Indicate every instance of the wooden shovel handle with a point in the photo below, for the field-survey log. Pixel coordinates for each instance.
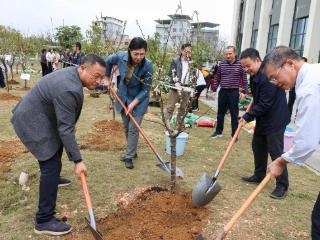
(223, 232)
(134, 121)
(85, 190)
(233, 140)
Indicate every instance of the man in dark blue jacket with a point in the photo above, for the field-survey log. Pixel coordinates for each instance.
(271, 112)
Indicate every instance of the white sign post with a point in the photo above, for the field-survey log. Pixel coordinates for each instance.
(25, 77)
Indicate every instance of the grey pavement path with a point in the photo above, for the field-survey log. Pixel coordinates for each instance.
(313, 163)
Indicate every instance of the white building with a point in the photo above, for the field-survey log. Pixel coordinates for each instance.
(264, 24)
(112, 27)
(183, 30)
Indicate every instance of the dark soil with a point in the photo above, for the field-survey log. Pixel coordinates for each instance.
(154, 214)
(13, 82)
(7, 96)
(108, 135)
(9, 150)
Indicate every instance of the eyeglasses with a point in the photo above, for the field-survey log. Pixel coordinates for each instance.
(274, 80)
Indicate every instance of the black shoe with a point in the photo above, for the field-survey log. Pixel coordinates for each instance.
(54, 227)
(124, 158)
(63, 182)
(128, 163)
(279, 193)
(253, 179)
(215, 135)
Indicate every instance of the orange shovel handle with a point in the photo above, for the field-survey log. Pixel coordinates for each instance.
(223, 232)
(233, 140)
(85, 190)
(134, 121)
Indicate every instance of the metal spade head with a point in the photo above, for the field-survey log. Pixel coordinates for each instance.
(205, 190)
(167, 168)
(96, 234)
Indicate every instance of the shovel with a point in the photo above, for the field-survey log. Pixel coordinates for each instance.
(208, 187)
(92, 223)
(166, 166)
(222, 233)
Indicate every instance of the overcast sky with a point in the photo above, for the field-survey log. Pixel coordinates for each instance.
(41, 16)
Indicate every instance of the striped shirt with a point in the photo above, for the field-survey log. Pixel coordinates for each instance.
(231, 75)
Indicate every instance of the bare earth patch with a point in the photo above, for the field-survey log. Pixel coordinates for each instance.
(7, 96)
(108, 135)
(9, 150)
(155, 213)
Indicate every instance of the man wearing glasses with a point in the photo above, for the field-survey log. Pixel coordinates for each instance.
(272, 116)
(45, 122)
(287, 69)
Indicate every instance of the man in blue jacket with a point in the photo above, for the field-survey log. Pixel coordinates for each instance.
(134, 83)
(271, 112)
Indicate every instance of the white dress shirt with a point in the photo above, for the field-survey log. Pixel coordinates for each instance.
(185, 72)
(307, 137)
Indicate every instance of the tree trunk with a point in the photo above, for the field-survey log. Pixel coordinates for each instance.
(11, 66)
(173, 141)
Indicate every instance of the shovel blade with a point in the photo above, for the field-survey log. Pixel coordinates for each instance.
(167, 168)
(205, 190)
(97, 235)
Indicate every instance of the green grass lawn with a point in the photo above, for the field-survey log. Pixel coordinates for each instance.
(107, 177)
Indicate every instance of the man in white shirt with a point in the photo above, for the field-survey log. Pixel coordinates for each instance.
(286, 69)
(180, 77)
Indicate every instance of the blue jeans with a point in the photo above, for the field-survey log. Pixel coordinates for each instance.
(48, 189)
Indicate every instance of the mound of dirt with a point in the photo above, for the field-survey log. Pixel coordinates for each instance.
(7, 96)
(108, 135)
(9, 150)
(154, 214)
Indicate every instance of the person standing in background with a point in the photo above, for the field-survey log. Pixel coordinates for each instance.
(230, 77)
(77, 54)
(44, 62)
(49, 57)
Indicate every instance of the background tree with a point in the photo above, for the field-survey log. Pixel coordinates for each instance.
(68, 35)
(95, 41)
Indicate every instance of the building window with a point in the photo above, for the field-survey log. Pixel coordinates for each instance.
(298, 34)
(254, 38)
(272, 37)
(174, 30)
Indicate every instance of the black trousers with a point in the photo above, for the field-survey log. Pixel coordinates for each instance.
(315, 229)
(228, 99)
(199, 89)
(292, 98)
(44, 69)
(48, 189)
(272, 144)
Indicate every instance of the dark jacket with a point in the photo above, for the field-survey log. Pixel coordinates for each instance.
(76, 58)
(175, 70)
(45, 118)
(2, 83)
(270, 107)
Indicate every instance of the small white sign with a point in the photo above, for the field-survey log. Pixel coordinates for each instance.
(25, 76)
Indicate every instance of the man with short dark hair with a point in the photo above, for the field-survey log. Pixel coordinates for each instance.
(286, 69)
(233, 82)
(77, 54)
(180, 76)
(272, 116)
(45, 122)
